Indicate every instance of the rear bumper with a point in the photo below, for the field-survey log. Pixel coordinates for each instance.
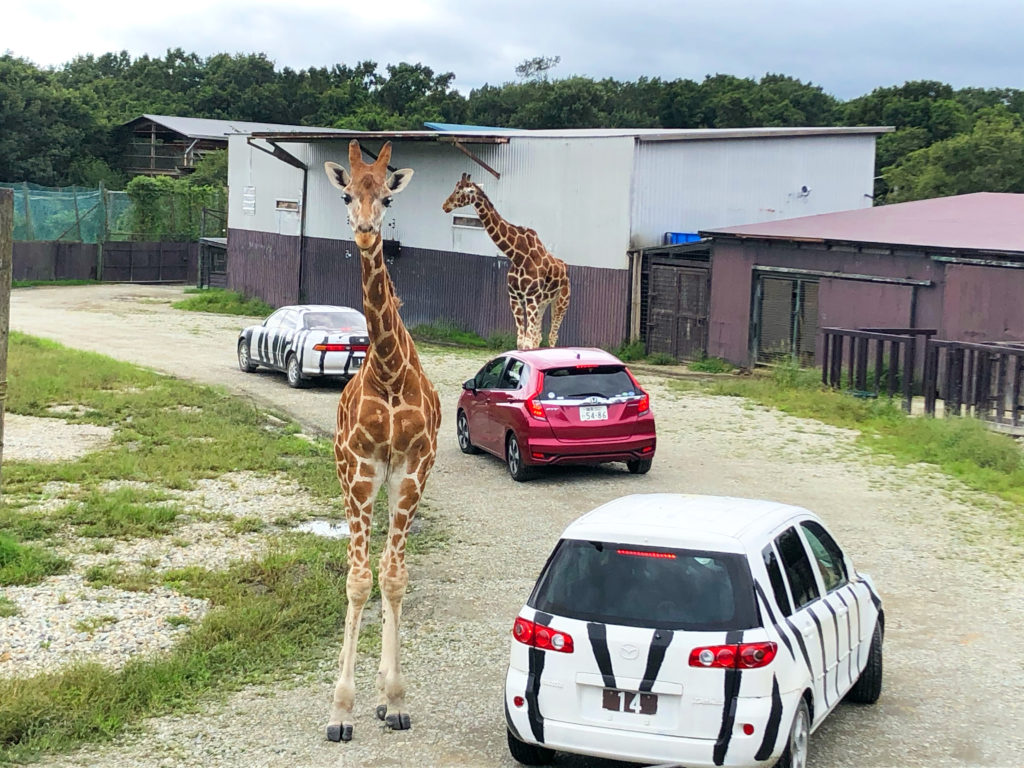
(540, 451)
(650, 747)
(341, 364)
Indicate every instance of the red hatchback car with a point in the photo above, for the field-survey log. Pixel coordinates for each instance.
(562, 405)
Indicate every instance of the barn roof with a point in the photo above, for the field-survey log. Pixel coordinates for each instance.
(983, 221)
(204, 128)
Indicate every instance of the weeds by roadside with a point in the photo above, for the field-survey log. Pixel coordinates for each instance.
(222, 302)
(446, 332)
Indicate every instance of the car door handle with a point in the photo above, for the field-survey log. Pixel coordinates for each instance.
(807, 631)
(842, 611)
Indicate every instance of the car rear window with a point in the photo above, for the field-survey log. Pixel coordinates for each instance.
(647, 587)
(575, 383)
(334, 321)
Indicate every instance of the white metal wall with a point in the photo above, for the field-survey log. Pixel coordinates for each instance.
(574, 192)
(686, 186)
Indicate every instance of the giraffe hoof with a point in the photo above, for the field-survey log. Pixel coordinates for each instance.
(339, 733)
(399, 722)
(382, 710)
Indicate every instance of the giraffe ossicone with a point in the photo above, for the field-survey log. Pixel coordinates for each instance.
(388, 417)
(536, 278)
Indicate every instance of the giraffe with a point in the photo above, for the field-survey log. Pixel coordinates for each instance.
(388, 417)
(535, 278)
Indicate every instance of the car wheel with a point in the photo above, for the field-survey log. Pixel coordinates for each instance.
(529, 754)
(295, 377)
(868, 687)
(639, 466)
(245, 362)
(462, 430)
(795, 755)
(514, 460)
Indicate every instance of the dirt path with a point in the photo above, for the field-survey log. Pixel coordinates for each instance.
(954, 595)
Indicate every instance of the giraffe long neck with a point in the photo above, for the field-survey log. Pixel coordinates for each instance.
(493, 222)
(391, 348)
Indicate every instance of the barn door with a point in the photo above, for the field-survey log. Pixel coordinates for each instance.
(678, 311)
(786, 319)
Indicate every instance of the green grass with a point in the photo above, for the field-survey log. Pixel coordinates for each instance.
(661, 358)
(121, 513)
(25, 564)
(270, 617)
(711, 365)
(7, 608)
(630, 351)
(446, 332)
(114, 574)
(963, 448)
(36, 283)
(222, 302)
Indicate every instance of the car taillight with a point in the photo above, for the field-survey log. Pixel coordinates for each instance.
(341, 347)
(646, 553)
(741, 656)
(644, 404)
(539, 636)
(533, 407)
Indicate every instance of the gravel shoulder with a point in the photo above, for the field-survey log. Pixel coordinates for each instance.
(953, 590)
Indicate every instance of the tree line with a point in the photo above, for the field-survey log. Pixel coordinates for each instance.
(58, 126)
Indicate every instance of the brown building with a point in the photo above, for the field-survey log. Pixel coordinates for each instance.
(953, 264)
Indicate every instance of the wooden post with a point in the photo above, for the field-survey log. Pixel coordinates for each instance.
(6, 255)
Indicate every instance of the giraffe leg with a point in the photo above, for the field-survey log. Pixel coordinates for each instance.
(358, 508)
(558, 310)
(534, 317)
(519, 313)
(404, 491)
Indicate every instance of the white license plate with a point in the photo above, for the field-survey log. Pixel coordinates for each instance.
(593, 412)
(355, 362)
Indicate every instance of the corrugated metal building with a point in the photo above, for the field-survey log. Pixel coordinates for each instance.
(952, 264)
(594, 196)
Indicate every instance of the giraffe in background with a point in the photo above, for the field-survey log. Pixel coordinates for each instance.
(536, 278)
(388, 417)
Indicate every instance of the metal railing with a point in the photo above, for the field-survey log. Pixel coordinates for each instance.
(872, 361)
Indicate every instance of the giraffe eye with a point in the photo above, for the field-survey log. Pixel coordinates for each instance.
(347, 198)
(386, 202)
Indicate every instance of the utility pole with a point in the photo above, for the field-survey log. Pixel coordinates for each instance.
(6, 256)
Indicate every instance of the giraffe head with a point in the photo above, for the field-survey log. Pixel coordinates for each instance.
(367, 190)
(465, 193)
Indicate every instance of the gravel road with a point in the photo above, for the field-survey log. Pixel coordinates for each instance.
(953, 590)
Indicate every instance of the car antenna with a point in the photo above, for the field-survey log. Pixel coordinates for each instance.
(577, 355)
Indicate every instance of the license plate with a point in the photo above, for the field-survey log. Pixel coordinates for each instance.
(355, 362)
(627, 701)
(593, 412)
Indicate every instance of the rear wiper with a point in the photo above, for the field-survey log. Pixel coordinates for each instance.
(587, 394)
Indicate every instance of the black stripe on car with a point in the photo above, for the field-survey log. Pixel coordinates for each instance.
(771, 731)
(732, 690)
(655, 657)
(536, 669)
(835, 624)
(598, 635)
(803, 646)
(849, 632)
(771, 618)
(824, 664)
(874, 597)
(323, 354)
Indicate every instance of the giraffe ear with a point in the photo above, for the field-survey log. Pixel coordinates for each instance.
(339, 176)
(399, 179)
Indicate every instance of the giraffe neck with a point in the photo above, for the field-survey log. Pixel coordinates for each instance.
(391, 348)
(492, 222)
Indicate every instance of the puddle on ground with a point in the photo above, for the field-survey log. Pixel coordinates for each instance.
(332, 529)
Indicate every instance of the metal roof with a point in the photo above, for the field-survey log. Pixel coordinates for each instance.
(983, 221)
(204, 128)
(502, 135)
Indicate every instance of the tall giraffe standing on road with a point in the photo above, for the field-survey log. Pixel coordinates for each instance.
(388, 418)
(535, 278)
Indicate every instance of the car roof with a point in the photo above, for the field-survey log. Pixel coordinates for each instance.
(554, 357)
(319, 308)
(690, 521)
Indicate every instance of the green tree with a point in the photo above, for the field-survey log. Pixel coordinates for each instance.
(211, 171)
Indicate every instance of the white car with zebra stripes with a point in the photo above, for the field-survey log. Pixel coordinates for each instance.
(306, 341)
(691, 630)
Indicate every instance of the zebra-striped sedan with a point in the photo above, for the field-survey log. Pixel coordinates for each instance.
(691, 630)
(306, 341)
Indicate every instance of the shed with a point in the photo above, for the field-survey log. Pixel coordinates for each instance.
(596, 197)
(951, 264)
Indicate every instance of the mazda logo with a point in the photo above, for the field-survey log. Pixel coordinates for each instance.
(629, 652)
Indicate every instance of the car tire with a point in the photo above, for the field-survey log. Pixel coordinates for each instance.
(868, 687)
(639, 466)
(462, 432)
(245, 362)
(514, 460)
(294, 373)
(529, 754)
(795, 754)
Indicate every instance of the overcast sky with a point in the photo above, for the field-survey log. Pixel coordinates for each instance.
(846, 46)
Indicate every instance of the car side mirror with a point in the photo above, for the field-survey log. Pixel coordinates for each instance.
(469, 384)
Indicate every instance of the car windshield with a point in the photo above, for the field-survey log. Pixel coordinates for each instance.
(339, 320)
(644, 586)
(587, 381)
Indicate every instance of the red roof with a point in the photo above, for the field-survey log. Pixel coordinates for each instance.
(983, 221)
(556, 357)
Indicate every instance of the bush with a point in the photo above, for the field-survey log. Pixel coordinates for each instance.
(630, 351)
(712, 365)
(661, 358)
